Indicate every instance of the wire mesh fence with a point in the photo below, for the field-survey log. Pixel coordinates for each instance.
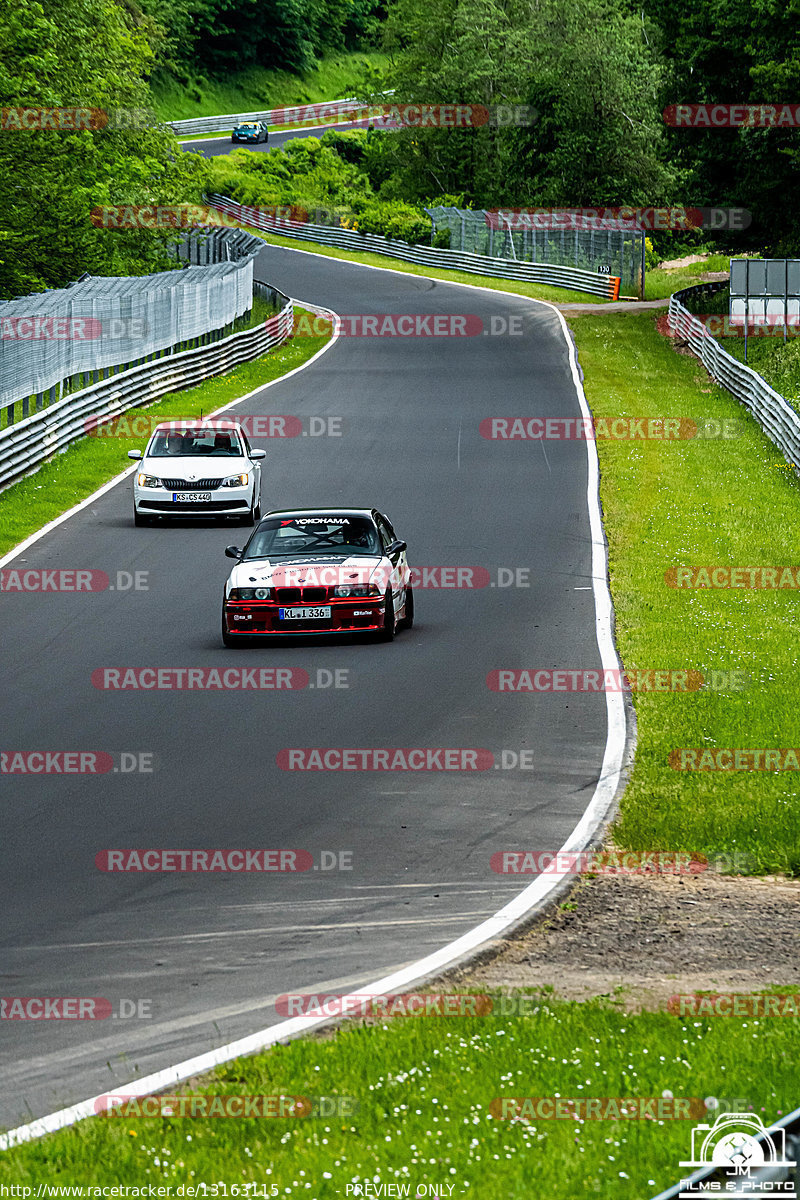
(602, 245)
(55, 341)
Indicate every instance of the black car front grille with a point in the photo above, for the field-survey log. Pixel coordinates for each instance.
(192, 485)
(301, 595)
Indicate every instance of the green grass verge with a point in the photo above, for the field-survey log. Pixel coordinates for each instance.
(89, 463)
(659, 285)
(535, 290)
(423, 1086)
(258, 88)
(701, 502)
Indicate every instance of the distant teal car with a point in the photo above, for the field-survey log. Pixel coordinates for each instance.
(251, 131)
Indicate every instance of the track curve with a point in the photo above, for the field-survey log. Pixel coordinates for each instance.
(212, 951)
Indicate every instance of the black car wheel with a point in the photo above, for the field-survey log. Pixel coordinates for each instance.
(408, 620)
(390, 626)
(229, 639)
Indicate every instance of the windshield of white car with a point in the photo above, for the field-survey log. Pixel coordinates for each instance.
(197, 443)
(314, 537)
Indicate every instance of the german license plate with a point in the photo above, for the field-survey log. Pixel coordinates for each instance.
(192, 497)
(304, 614)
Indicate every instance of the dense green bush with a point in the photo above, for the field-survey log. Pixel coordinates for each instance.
(312, 175)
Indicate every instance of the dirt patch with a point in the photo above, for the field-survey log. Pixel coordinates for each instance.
(643, 939)
(673, 264)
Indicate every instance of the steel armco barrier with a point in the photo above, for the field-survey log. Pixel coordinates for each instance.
(776, 417)
(27, 444)
(478, 264)
(327, 110)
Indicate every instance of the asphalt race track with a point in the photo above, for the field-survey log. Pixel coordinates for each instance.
(213, 147)
(210, 952)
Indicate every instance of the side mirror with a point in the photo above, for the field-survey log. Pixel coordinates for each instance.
(397, 548)
(134, 454)
(233, 552)
(255, 455)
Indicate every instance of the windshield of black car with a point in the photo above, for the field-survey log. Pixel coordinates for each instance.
(194, 443)
(247, 127)
(308, 537)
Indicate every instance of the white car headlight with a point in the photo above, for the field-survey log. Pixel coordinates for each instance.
(149, 481)
(236, 480)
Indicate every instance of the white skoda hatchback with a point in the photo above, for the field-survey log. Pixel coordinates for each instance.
(198, 469)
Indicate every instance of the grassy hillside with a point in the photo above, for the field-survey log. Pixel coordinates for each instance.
(177, 97)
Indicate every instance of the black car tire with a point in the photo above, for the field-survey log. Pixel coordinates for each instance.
(390, 627)
(227, 638)
(139, 520)
(408, 620)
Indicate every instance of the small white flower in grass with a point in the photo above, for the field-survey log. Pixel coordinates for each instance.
(327, 1175)
(622, 1175)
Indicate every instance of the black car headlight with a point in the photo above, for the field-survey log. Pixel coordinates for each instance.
(259, 593)
(345, 590)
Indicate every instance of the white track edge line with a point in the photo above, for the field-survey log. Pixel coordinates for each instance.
(101, 491)
(512, 914)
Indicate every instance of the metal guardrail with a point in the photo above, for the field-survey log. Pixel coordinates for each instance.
(327, 110)
(57, 341)
(451, 260)
(27, 444)
(776, 417)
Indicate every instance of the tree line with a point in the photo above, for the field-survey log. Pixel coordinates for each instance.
(598, 74)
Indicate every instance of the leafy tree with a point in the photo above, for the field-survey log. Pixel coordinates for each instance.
(586, 69)
(80, 53)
